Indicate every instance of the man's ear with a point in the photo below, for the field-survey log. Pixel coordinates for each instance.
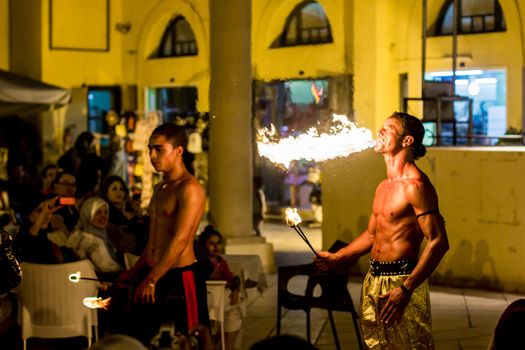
(408, 140)
(179, 150)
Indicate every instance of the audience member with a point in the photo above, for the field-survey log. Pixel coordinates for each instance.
(511, 324)
(48, 175)
(234, 308)
(117, 158)
(118, 342)
(259, 204)
(90, 240)
(70, 160)
(125, 213)
(83, 161)
(122, 209)
(66, 218)
(21, 188)
(282, 342)
(31, 243)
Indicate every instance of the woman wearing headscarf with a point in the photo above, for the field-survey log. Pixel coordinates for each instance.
(90, 240)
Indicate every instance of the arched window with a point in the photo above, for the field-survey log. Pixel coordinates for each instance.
(177, 40)
(474, 16)
(306, 25)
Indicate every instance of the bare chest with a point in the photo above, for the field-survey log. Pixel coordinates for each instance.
(164, 202)
(390, 202)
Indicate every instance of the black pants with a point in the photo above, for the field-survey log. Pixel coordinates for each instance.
(180, 298)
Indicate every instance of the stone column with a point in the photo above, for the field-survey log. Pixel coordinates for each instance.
(230, 157)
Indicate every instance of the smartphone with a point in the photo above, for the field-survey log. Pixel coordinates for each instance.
(66, 201)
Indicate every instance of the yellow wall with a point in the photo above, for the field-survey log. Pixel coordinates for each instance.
(374, 41)
(269, 18)
(151, 20)
(480, 193)
(73, 68)
(4, 34)
(25, 39)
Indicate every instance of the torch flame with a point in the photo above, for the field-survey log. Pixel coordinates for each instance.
(97, 302)
(292, 217)
(75, 277)
(344, 138)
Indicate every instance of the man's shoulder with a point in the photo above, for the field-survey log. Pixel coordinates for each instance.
(189, 186)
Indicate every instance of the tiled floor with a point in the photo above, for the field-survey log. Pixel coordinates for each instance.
(462, 318)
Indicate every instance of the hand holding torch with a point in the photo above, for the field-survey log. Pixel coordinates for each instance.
(293, 220)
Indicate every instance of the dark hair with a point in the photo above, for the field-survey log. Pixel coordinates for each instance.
(83, 143)
(59, 176)
(175, 134)
(108, 181)
(283, 342)
(414, 127)
(47, 167)
(510, 326)
(208, 232)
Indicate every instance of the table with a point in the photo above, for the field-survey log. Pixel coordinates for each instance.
(252, 268)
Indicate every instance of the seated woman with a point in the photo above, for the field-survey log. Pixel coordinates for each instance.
(125, 214)
(234, 308)
(31, 243)
(90, 240)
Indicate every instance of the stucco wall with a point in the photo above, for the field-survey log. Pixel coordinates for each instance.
(480, 193)
(81, 65)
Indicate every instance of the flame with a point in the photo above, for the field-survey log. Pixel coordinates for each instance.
(75, 277)
(292, 217)
(316, 93)
(97, 302)
(344, 138)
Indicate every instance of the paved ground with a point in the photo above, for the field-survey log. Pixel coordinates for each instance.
(462, 318)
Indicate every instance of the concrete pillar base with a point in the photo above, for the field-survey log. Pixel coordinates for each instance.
(253, 246)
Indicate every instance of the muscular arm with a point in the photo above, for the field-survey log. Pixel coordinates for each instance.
(358, 247)
(423, 198)
(191, 207)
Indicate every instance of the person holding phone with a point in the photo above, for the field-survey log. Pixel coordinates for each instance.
(66, 217)
(31, 243)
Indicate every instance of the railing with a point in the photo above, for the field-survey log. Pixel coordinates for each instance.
(438, 103)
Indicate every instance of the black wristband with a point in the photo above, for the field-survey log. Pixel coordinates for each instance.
(405, 290)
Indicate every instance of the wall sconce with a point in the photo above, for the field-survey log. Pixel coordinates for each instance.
(123, 27)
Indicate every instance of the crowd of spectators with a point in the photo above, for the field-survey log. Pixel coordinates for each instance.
(80, 209)
(76, 210)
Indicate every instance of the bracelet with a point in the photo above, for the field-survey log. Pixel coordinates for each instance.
(405, 290)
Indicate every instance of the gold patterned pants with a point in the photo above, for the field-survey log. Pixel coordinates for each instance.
(414, 331)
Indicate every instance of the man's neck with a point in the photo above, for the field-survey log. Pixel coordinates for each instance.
(177, 173)
(398, 166)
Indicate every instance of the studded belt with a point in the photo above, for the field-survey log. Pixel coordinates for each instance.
(391, 268)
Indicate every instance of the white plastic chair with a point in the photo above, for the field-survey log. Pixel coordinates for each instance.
(216, 290)
(51, 306)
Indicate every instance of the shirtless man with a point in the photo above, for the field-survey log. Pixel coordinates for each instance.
(395, 303)
(168, 287)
